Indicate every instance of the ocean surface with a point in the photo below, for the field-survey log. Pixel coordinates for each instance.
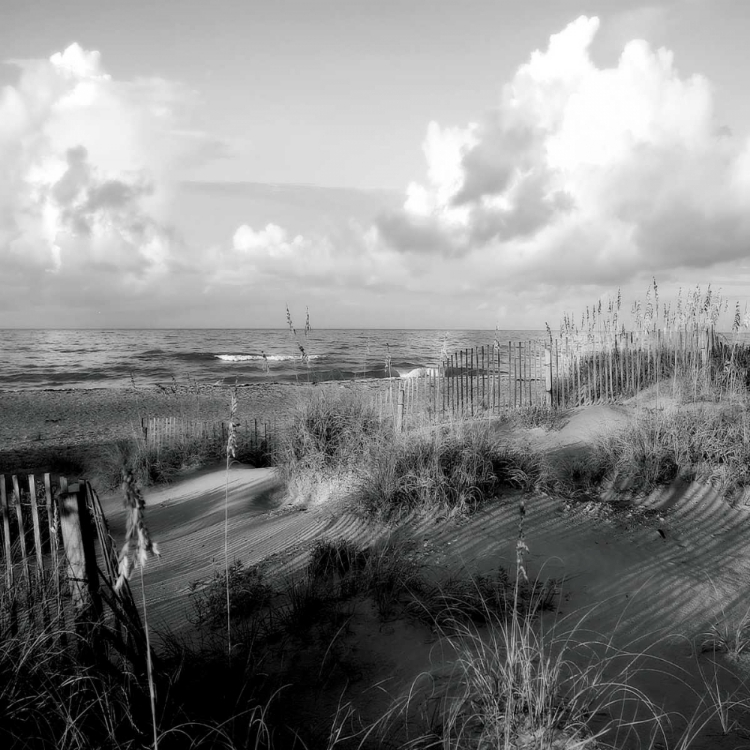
(66, 359)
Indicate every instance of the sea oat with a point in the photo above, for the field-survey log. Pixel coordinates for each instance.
(232, 439)
(303, 354)
(292, 329)
(136, 533)
(521, 546)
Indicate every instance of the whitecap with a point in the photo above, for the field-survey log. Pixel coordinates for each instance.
(260, 357)
(419, 372)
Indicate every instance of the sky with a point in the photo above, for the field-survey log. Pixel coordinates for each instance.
(412, 164)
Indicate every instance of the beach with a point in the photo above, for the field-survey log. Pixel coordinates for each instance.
(39, 425)
(657, 570)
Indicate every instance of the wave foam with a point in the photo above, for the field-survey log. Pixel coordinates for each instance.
(260, 357)
(419, 372)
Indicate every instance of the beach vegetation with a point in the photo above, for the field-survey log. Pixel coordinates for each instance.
(443, 471)
(155, 464)
(728, 635)
(272, 662)
(508, 670)
(709, 443)
(321, 450)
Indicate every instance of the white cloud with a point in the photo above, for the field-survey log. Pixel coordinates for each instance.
(352, 259)
(271, 240)
(583, 174)
(86, 167)
(578, 178)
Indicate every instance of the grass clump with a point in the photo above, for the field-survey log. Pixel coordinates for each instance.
(482, 599)
(326, 440)
(729, 636)
(329, 432)
(445, 471)
(151, 464)
(711, 443)
(52, 698)
(248, 594)
(517, 687)
(536, 415)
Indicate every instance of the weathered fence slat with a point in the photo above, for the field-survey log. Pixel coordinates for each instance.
(6, 533)
(37, 529)
(21, 531)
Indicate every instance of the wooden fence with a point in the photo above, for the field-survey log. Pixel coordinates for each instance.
(607, 369)
(59, 565)
(473, 382)
(559, 373)
(254, 437)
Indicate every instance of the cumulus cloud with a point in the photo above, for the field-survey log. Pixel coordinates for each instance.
(350, 258)
(583, 174)
(86, 165)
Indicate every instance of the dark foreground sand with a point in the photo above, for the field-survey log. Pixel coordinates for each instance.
(36, 426)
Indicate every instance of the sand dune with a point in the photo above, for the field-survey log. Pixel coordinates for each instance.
(652, 573)
(668, 559)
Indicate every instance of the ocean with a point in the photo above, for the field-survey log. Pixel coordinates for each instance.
(75, 359)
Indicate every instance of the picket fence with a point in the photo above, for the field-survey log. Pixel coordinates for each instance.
(555, 373)
(59, 566)
(490, 380)
(253, 435)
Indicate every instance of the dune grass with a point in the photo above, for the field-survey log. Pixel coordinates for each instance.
(710, 443)
(321, 450)
(444, 471)
(51, 698)
(339, 444)
(161, 464)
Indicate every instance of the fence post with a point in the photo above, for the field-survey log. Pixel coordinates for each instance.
(80, 553)
(547, 377)
(6, 534)
(400, 410)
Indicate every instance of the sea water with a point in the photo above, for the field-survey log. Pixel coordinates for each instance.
(43, 359)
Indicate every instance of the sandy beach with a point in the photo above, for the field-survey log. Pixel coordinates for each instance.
(649, 573)
(38, 424)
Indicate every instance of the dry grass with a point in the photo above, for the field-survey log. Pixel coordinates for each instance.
(445, 471)
(321, 451)
(710, 443)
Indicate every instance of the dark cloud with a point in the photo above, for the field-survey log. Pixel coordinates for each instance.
(504, 150)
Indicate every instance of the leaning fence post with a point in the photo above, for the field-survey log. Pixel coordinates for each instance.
(80, 553)
(6, 534)
(547, 376)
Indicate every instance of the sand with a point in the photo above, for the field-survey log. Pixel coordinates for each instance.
(37, 424)
(650, 573)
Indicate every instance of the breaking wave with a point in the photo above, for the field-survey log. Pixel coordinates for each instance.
(260, 357)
